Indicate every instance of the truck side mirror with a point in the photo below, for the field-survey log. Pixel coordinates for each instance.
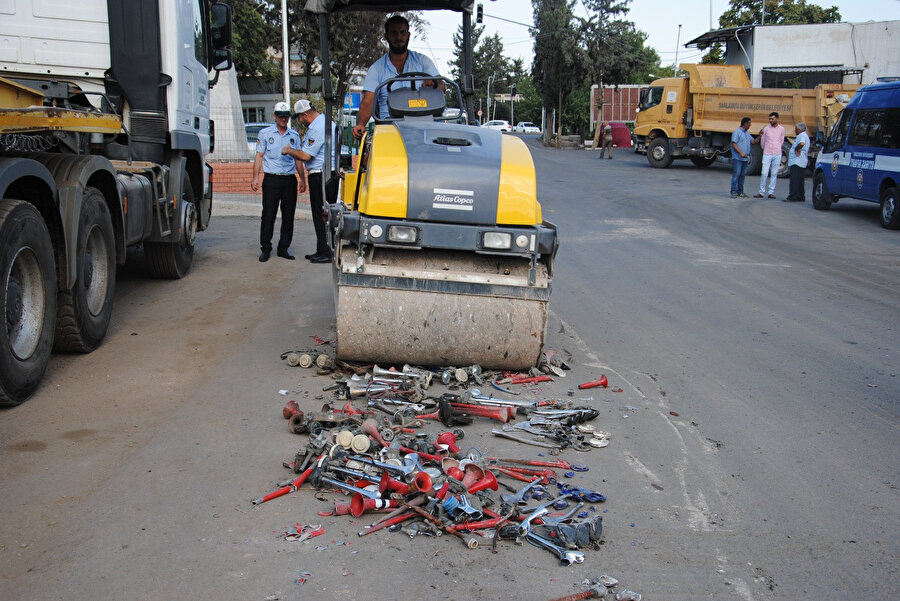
(220, 27)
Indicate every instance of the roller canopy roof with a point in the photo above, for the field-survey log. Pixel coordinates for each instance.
(328, 6)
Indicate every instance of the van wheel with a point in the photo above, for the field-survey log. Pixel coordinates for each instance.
(28, 294)
(754, 166)
(85, 310)
(658, 153)
(821, 199)
(890, 212)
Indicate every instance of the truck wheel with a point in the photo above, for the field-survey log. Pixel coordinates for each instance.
(658, 153)
(754, 166)
(28, 292)
(703, 161)
(172, 260)
(84, 311)
(821, 199)
(890, 212)
(783, 169)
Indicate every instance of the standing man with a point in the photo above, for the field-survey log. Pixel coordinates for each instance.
(772, 138)
(279, 185)
(740, 157)
(397, 61)
(797, 161)
(311, 158)
(607, 139)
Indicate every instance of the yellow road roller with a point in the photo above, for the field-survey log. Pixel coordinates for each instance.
(441, 255)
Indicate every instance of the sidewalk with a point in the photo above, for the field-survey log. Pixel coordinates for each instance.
(227, 204)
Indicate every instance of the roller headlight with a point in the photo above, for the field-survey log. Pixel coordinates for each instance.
(522, 241)
(403, 234)
(375, 231)
(497, 240)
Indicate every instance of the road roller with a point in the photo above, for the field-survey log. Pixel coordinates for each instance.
(441, 255)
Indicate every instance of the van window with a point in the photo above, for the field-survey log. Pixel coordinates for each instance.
(866, 130)
(839, 132)
(890, 135)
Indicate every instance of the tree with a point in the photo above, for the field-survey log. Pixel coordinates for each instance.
(615, 47)
(778, 12)
(252, 35)
(560, 61)
(488, 62)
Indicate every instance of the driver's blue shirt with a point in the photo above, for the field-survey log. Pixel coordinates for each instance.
(383, 70)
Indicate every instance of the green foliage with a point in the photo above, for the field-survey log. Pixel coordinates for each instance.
(560, 60)
(616, 48)
(778, 12)
(252, 36)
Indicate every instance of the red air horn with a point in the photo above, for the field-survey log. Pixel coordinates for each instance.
(360, 504)
(489, 481)
(421, 483)
(370, 427)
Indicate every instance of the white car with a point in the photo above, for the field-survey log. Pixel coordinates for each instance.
(497, 124)
(526, 127)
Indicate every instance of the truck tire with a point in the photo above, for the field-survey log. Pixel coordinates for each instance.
(890, 211)
(28, 293)
(703, 161)
(172, 260)
(754, 166)
(658, 153)
(84, 312)
(821, 198)
(783, 169)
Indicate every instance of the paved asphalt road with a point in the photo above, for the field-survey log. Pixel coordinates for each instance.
(754, 449)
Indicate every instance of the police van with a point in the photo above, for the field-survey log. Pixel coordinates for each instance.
(861, 157)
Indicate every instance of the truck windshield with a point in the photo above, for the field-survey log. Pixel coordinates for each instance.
(650, 97)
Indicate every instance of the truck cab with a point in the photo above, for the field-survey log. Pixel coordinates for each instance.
(662, 109)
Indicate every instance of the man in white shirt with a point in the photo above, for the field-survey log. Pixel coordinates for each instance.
(798, 158)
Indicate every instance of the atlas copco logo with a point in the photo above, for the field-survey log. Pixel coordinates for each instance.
(455, 200)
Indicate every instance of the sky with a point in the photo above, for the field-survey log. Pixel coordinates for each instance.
(660, 19)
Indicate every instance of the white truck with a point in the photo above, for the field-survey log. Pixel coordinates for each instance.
(104, 131)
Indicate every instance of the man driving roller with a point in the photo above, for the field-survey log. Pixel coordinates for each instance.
(397, 61)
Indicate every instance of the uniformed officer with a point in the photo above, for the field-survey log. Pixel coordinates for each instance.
(311, 158)
(279, 185)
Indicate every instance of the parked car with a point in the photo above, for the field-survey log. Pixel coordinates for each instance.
(500, 125)
(526, 127)
(253, 130)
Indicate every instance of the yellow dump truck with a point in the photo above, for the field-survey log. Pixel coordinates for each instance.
(693, 117)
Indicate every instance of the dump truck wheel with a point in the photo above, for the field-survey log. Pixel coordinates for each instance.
(172, 260)
(703, 161)
(784, 169)
(754, 167)
(821, 199)
(890, 212)
(84, 311)
(28, 292)
(658, 154)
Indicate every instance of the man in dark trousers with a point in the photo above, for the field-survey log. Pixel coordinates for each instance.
(311, 158)
(279, 185)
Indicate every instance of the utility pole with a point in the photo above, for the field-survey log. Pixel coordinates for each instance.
(512, 93)
(286, 58)
(490, 79)
(677, 43)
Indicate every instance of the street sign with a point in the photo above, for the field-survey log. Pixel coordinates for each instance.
(479, 112)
